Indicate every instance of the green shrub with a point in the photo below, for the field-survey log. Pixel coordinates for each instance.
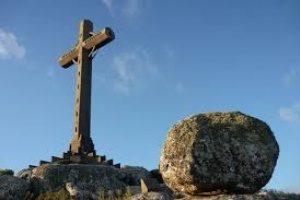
(59, 195)
(6, 172)
(126, 196)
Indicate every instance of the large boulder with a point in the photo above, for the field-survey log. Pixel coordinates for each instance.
(219, 152)
(87, 179)
(13, 188)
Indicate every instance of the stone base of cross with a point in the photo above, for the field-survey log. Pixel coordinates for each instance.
(67, 158)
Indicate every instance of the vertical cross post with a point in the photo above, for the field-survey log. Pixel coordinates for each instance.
(82, 142)
(82, 54)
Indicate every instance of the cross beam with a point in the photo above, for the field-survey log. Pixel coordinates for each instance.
(93, 43)
(82, 55)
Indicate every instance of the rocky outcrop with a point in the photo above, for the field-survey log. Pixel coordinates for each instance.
(256, 196)
(216, 153)
(25, 174)
(133, 174)
(82, 180)
(78, 194)
(12, 188)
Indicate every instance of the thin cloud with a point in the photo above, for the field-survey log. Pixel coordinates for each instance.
(100, 78)
(131, 8)
(127, 8)
(9, 46)
(179, 88)
(169, 52)
(132, 70)
(50, 72)
(291, 113)
(291, 76)
(109, 5)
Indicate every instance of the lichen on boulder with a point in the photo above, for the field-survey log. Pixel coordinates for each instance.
(219, 152)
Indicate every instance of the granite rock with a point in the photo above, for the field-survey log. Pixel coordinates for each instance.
(80, 179)
(13, 188)
(221, 152)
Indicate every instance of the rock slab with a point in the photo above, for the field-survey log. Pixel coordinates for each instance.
(12, 188)
(83, 181)
(221, 152)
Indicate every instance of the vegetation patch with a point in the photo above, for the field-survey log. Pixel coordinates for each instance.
(58, 195)
(6, 172)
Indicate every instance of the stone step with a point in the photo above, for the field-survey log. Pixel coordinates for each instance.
(101, 158)
(55, 159)
(118, 165)
(42, 162)
(66, 156)
(84, 159)
(109, 162)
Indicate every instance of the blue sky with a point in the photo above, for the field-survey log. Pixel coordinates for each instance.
(170, 59)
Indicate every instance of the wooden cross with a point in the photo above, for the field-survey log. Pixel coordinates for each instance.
(82, 54)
